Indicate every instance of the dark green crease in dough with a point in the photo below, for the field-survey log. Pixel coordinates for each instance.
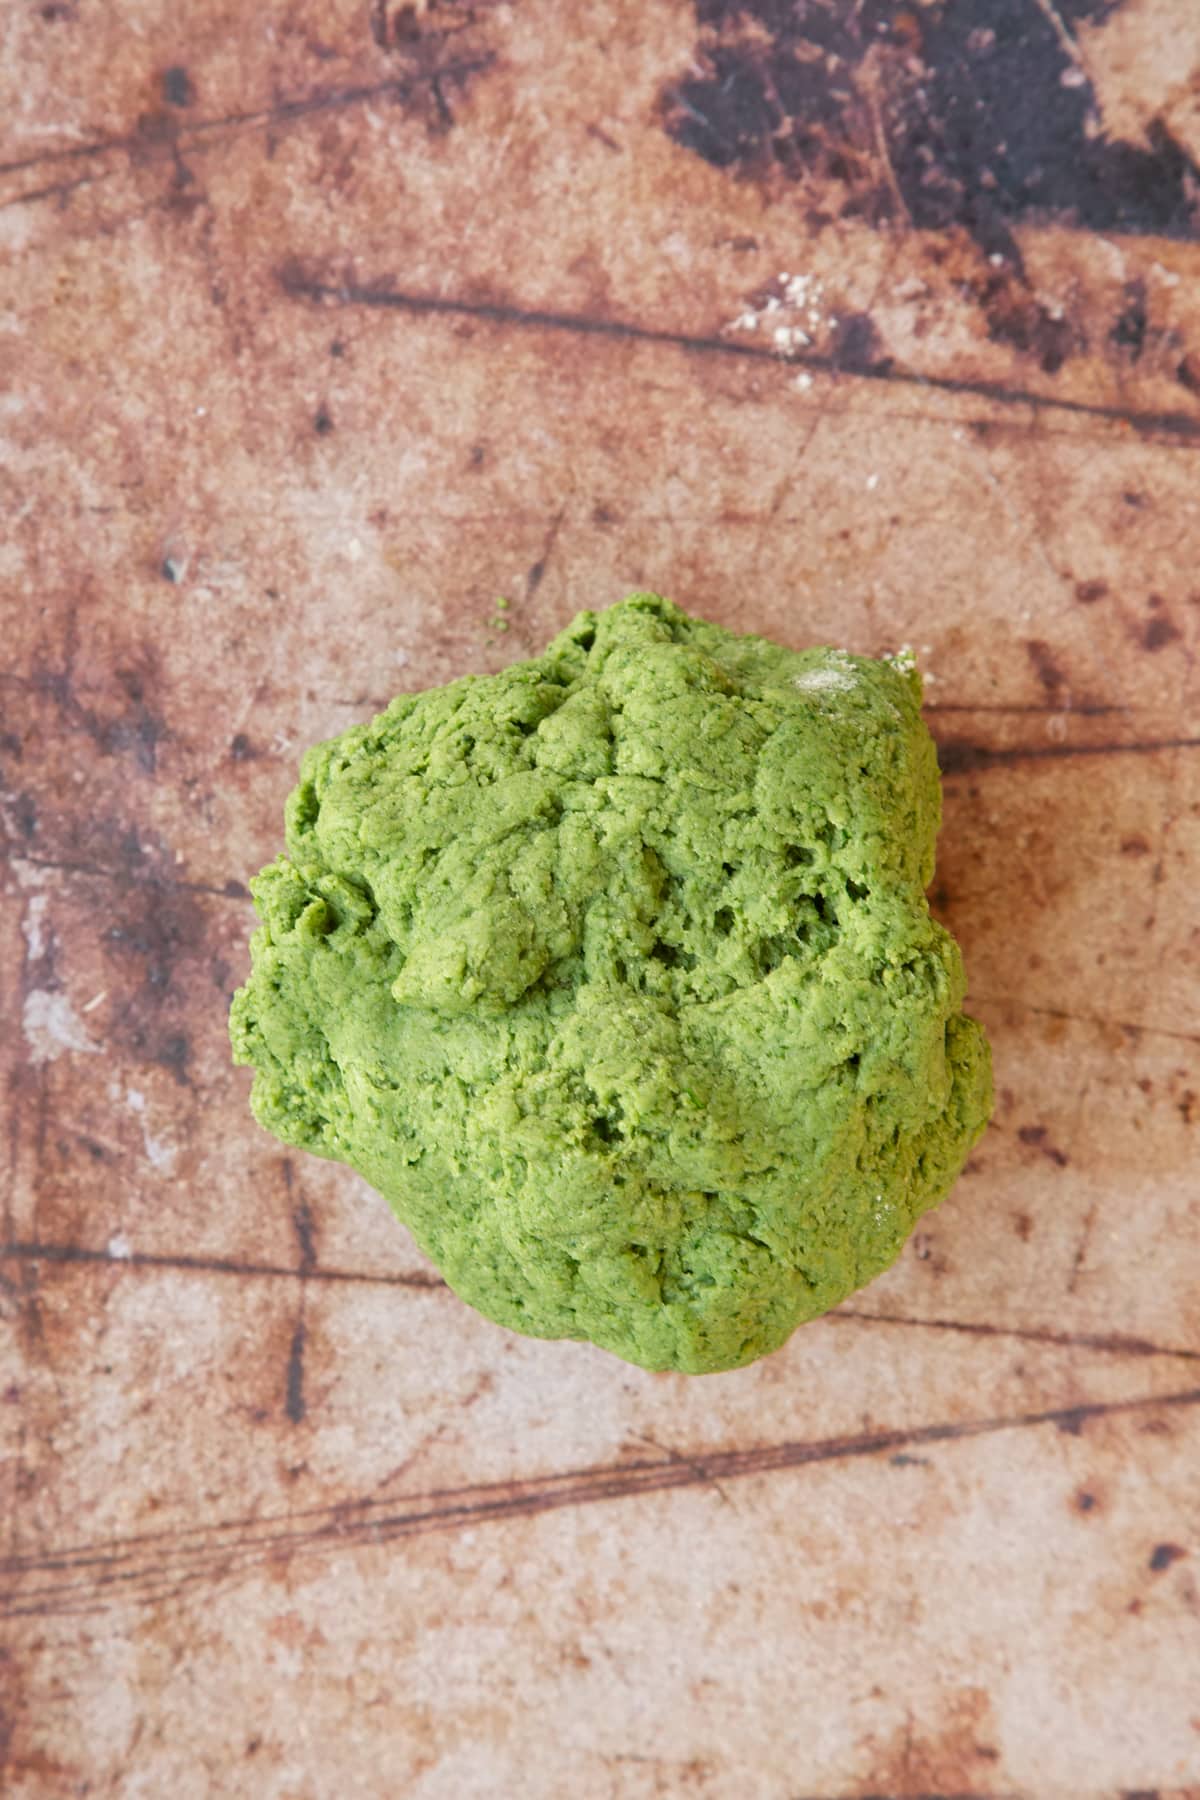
(614, 973)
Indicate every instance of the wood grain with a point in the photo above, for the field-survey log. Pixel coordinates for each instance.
(322, 327)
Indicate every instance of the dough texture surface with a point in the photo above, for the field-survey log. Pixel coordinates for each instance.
(613, 972)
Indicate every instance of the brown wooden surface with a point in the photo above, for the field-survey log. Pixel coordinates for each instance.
(320, 326)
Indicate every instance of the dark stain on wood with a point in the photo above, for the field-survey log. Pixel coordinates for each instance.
(967, 116)
(1038, 1138)
(1045, 665)
(1129, 331)
(1088, 592)
(1158, 632)
(177, 87)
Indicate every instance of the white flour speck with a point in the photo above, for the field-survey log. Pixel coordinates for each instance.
(792, 315)
(35, 912)
(51, 1026)
(160, 1152)
(119, 1247)
(790, 337)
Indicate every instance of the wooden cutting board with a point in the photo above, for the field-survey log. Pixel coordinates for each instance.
(322, 326)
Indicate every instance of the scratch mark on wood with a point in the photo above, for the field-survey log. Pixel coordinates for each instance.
(210, 1265)
(693, 1462)
(537, 572)
(302, 1221)
(1081, 1249)
(298, 284)
(55, 190)
(1043, 710)
(93, 1577)
(304, 1226)
(232, 890)
(957, 758)
(1130, 1027)
(233, 124)
(1113, 1343)
(294, 1403)
(925, 1794)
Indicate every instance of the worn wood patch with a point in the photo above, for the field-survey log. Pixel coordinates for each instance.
(322, 327)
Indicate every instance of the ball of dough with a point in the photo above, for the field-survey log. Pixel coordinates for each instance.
(614, 973)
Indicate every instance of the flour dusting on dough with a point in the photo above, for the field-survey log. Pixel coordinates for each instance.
(903, 660)
(835, 676)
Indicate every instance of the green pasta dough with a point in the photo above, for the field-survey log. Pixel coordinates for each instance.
(614, 973)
